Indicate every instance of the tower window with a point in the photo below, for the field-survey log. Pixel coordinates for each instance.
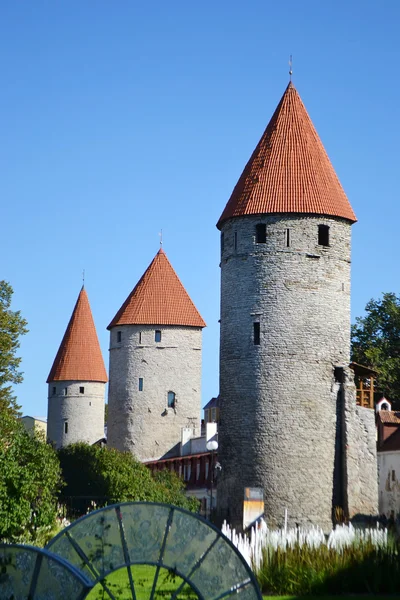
(222, 242)
(256, 329)
(81, 390)
(171, 399)
(65, 426)
(140, 384)
(119, 337)
(261, 233)
(287, 238)
(323, 235)
(235, 240)
(157, 335)
(140, 337)
(65, 391)
(54, 391)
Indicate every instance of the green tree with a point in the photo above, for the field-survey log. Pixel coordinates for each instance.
(106, 475)
(376, 343)
(12, 326)
(30, 480)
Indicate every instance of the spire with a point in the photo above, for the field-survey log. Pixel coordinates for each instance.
(159, 298)
(79, 356)
(289, 171)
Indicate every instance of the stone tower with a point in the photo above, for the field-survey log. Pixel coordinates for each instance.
(155, 365)
(285, 328)
(77, 382)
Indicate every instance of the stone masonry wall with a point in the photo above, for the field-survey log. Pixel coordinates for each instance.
(140, 421)
(278, 399)
(84, 413)
(361, 466)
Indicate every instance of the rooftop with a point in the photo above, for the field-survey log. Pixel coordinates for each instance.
(289, 171)
(159, 298)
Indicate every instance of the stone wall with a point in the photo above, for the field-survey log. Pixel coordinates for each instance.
(139, 421)
(360, 456)
(279, 398)
(83, 412)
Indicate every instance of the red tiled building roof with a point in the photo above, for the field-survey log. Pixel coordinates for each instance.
(289, 171)
(389, 416)
(159, 298)
(79, 356)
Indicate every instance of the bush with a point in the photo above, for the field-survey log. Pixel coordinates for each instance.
(29, 482)
(106, 476)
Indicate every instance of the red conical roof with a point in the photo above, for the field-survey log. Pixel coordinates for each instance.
(289, 171)
(158, 299)
(79, 356)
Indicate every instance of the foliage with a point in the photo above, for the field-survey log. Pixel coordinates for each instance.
(357, 569)
(376, 343)
(29, 482)
(105, 476)
(12, 326)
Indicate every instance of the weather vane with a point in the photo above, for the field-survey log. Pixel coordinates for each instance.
(83, 277)
(290, 67)
(160, 234)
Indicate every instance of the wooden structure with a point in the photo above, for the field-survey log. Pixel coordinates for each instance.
(364, 379)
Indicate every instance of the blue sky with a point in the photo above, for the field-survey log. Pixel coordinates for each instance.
(121, 118)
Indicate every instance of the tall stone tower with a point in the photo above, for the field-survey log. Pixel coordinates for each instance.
(155, 365)
(77, 382)
(285, 324)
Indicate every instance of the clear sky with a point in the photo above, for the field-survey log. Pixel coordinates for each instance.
(119, 118)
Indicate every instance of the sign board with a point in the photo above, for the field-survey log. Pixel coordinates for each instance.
(253, 505)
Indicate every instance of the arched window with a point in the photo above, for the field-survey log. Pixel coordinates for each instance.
(171, 399)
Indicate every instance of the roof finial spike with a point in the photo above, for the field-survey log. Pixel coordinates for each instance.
(160, 234)
(83, 278)
(290, 67)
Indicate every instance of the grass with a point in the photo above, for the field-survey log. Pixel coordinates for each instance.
(143, 576)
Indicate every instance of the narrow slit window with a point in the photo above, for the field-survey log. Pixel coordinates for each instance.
(54, 391)
(140, 337)
(235, 240)
(65, 391)
(393, 475)
(140, 384)
(157, 335)
(222, 242)
(287, 238)
(256, 331)
(261, 233)
(171, 399)
(323, 235)
(119, 337)
(66, 427)
(81, 390)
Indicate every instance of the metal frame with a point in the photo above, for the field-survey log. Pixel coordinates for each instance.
(249, 582)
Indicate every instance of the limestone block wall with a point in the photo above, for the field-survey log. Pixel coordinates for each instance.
(360, 455)
(142, 372)
(389, 483)
(278, 398)
(73, 415)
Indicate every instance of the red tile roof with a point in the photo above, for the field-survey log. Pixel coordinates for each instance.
(158, 299)
(289, 171)
(79, 356)
(389, 416)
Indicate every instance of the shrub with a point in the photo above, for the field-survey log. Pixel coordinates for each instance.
(107, 476)
(29, 482)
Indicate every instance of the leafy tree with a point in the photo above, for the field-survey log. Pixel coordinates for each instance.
(12, 326)
(106, 476)
(29, 481)
(376, 343)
